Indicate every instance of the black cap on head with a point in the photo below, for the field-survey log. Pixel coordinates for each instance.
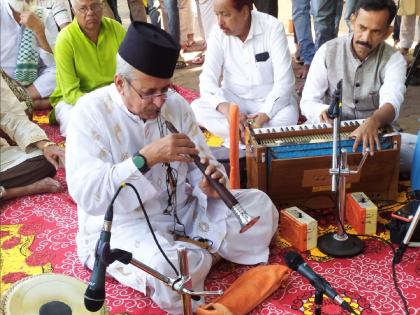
(150, 50)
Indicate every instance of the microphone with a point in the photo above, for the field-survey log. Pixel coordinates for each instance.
(95, 292)
(295, 261)
(335, 106)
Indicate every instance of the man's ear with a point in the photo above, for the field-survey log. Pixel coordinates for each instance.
(353, 18)
(119, 83)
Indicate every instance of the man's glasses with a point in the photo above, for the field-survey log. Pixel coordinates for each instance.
(151, 97)
(95, 8)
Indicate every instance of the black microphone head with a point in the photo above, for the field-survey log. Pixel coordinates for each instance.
(94, 299)
(293, 260)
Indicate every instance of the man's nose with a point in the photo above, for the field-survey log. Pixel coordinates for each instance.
(159, 101)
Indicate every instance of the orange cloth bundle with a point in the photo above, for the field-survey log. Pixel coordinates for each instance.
(248, 291)
(234, 178)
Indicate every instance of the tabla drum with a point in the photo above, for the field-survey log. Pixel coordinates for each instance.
(46, 294)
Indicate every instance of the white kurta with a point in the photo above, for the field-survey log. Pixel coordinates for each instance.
(257, 75)
(16, 124)
(101, 139)
(11, 35)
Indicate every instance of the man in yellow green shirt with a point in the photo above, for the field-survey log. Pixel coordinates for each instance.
(85, 57)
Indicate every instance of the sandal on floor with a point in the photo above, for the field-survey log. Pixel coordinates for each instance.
(198, 60)
(180, 64)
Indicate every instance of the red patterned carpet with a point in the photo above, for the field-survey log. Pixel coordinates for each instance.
(37, 235)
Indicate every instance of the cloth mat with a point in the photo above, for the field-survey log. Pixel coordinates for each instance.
(37, 235)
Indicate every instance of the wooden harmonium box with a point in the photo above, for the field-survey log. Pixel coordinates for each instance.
(291, 164)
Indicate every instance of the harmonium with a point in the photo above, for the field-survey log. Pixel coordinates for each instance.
(291, 164)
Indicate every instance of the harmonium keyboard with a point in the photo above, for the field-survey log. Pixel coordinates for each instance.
(291, 163)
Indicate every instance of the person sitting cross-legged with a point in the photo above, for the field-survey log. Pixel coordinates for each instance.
(248, 63)
(118, 134)
(28, 167)
(28, 33)
(85, 57)
(372, 74)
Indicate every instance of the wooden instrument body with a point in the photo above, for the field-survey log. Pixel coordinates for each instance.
(306, 180)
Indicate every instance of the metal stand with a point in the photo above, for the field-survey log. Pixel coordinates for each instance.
(181, 285)
(340, 244)
(319, 298)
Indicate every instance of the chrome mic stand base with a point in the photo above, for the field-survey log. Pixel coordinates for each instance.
(340, 246)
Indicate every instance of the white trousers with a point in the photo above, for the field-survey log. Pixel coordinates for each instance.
(408, 30)
(62, 114)
(206, 17)
(250, 247)
(186, 19)
(215, 122)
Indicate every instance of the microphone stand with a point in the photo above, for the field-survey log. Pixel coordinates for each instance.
(182, 285)
(319, 299)
(340, 244)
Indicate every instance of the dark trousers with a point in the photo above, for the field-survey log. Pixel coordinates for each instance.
(27, 172)
(267, 6)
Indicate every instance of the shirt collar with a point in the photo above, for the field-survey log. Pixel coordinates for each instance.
(255, 28)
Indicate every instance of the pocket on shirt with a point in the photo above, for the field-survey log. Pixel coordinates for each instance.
(374, 99)
(265, 71)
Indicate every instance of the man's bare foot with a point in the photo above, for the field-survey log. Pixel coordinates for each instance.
(45, 185)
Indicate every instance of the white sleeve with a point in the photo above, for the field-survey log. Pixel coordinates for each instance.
(210, 89)
(45, 82)
(393, 89)
(61, 12)
(283, 77)
(316, 85)
(51, 32)
(92, 175)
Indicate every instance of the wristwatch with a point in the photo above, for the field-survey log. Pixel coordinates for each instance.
(141, 163)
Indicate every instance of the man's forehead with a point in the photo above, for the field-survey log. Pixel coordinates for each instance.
(87, 2)
(373, 19)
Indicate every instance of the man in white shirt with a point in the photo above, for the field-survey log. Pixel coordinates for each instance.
(15, 19)
(117, 134)
(373, 75)
(60, 10)
(250, 54)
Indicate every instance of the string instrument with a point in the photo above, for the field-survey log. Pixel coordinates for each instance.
(291, 163)
(245, 220)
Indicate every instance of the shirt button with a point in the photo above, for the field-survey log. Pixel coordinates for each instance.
(357, 84)
(356, 101)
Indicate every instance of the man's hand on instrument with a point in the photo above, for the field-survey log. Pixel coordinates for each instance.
(173, 147)
(367, 133)
(259, 119)
(224, 108)
(324, 118)
(205, 185)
